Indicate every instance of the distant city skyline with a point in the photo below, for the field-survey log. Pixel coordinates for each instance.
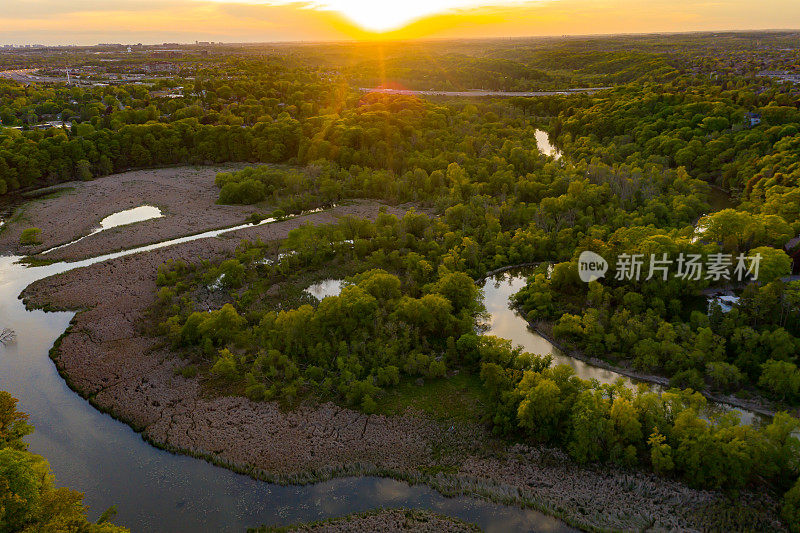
(89, 22)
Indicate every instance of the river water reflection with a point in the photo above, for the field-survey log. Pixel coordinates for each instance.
(507, 323)
(544, 145)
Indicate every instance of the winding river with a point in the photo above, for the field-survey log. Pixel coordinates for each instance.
(508, 323)
(155, 490)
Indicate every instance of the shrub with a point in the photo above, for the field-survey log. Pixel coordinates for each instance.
(30, 237)
(189, 371)
(724, 376)
(225, 366)
(688, 379)
(791, 507)
(437, 369)
(388, 375)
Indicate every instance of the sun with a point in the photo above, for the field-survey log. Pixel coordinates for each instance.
(382, 16)
(387, 16)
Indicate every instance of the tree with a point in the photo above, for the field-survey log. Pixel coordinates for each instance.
(774, 263)
(28, 499)
(457, 287)
(104, 165)
(23, 477)
(541, 410)
(380, 284)
(660, 453)
(627, 431)
(791, 507)
(590, 427)
(83, 170)
(13, 425)
(739, 230)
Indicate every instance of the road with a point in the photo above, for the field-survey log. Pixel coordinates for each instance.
(481, 92)
(28, 76)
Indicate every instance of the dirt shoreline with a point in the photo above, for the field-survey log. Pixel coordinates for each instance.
(185, 195)
(384, 520)
(106, 359)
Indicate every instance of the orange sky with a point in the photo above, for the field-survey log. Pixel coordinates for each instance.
(156, 21)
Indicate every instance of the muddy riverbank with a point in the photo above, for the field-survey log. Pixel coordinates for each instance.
(386, 521)
(186, 197)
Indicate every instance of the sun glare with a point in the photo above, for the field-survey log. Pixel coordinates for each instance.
(381, 17)
(387, 16)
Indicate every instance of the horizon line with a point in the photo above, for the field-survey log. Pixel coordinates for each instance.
(418, 39)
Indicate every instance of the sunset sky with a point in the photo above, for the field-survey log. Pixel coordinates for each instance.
(156, 21)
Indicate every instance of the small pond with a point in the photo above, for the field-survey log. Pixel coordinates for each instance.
(544, 145)
(120, 218)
